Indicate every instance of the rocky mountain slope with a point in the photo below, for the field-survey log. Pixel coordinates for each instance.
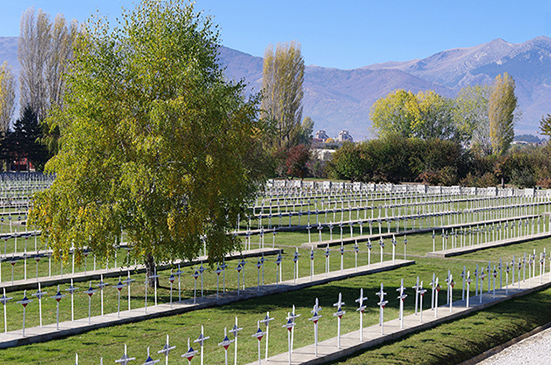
(340, 99)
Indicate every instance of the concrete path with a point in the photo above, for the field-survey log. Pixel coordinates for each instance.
(49, 331)
(482, 246)
(350, 342)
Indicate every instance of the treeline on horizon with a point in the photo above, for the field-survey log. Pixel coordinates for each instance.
(397, 159)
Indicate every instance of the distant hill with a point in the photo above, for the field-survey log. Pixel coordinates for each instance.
(340, 99)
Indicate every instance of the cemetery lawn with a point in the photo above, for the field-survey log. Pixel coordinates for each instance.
(447, 343)
(460, 340)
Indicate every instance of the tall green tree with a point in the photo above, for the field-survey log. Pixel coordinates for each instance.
(423, 115)
(24, 141)
(470, 116)
(501, 113)
(394, 114)
(545, 125)
(7, 96)
(282, 93)
(44, 50)
(306, 130)
(154, 142)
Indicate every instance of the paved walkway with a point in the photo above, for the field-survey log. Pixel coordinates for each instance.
(49, 332)
(350, 342)
(482, 246)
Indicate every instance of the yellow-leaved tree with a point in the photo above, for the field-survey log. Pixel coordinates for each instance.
(501, 113)
(154, 141)
(7, 96)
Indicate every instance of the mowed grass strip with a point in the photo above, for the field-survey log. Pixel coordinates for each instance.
(109, 342)
(460, 340)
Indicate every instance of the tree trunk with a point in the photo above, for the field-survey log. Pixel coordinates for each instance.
(149, 262)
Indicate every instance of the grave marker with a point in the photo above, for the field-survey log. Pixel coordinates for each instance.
(201, 340)
(125, 359)
(39, 294)
(361, 309)
(90, 291)
(24, 302)
(315, 318)
(127, 282)
(4, 300)
(58, 298)
(119, 287)
(402, 297)
(190, 352)
(267, 320)
(226, 342)
(235, 331)
(259, 334)
(381, 294)
(149, 360)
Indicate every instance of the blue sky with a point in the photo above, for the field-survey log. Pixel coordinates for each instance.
(342, 34)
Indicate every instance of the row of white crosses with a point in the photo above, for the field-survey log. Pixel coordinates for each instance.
(439, 210)
(37, 257)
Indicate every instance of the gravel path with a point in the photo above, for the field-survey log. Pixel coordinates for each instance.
(532, 350)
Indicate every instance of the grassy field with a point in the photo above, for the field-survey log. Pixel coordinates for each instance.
(448, 343)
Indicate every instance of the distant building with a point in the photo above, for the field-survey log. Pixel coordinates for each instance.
(320, 136)
(344, 136)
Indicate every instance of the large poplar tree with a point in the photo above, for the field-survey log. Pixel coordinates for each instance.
(7, 97)
(45, 47)
(154, 142)
(501, 113)
(282, 79)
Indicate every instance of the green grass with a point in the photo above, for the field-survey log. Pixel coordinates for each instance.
(109, 342)
(447, 343)
(462, 339)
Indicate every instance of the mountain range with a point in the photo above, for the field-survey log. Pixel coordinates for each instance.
(340, 99)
